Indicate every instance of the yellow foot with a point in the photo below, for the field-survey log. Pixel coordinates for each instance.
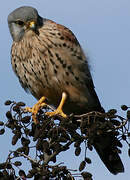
(59, 111)
(56, 112)
(34, 110)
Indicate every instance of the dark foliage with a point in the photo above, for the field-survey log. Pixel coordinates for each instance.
(53, 135)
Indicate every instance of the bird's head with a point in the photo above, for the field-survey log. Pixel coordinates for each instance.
(23, 19)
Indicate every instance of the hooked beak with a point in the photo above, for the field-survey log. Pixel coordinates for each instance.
(32, 25)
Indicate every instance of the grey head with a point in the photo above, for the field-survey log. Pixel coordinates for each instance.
(23, 19)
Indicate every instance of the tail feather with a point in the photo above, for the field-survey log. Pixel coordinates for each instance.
(106, 147)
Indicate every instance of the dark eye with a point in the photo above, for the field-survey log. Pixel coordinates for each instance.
(20, 23)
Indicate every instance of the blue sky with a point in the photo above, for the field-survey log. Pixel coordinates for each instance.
(103, 29)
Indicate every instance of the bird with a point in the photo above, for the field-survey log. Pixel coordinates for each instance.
(50, 63)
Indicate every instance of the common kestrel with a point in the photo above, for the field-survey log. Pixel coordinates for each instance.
(50, 63)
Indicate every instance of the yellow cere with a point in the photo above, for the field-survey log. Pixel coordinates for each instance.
(32, 24)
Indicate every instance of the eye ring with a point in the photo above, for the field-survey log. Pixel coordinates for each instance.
(19, 22)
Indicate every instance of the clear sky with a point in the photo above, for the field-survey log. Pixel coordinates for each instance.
(103, 29)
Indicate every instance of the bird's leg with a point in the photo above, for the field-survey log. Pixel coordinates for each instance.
(59, 110)
(34, 110)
